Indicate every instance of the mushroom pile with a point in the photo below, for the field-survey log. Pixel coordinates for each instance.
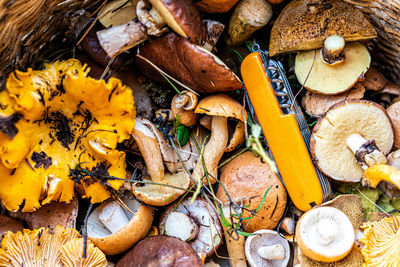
(144, 149)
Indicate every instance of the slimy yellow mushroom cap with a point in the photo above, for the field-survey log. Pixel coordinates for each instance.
(53, 121)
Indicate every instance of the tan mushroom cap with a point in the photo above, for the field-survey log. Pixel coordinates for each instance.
(9, 224)
(325, 234)
(317, 105)
(71, 254)
(328, 141)
(323, 78)
(304, 25)
(160, 195)
(220, 105)
(247, 177)
(114, 243)
(161, 250)
(267, 248)
(381, 242)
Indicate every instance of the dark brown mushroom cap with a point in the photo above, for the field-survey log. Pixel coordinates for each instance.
(305, 24)
(163, 251)
(188, 63)
(9, 224)
(185, 18)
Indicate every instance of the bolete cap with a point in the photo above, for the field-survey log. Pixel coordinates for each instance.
(220, 105)
(304, 25)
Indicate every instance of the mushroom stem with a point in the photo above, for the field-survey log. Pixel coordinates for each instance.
(181, 226)
(332, 52)
(327, 230)
(157, 17)
(274, 252)
(113, 216)
(214, 149)
(366, 151)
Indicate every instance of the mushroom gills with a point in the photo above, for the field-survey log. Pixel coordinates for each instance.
(317, 76)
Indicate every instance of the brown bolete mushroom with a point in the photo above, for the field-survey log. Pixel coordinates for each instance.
(381, 242)
(9, 224)
(325, 234)
(351, 136)
(220, 107)
(161, 250)
(163, 188)
(196, 223)
(182, 16)
(248, 17)
(39, 247)
(246, 179)
(267, 248)
(317, 105)
(190, 64)
(306, 25)
(115, 228)
(215, 6)
(50, 215)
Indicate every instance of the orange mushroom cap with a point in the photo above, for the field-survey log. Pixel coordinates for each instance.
(53, 119)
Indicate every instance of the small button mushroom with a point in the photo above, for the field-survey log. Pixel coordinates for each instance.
(267, 248)
(325, 234)
(161, 250)
(183, 106)
(248, 17)
(374, 80)
(197, 223)
(115, 228)
(300, 20)
(339, 142)
(220, 107)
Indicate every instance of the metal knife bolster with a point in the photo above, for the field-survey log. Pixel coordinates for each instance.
(275, 76)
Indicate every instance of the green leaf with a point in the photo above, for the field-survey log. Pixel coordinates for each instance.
(223, 220)
(182, 134)
(243, 233)
(263, 199)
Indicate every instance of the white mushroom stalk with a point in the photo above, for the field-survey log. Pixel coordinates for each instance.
(274, 252)
(180, 225)
(113, 216)
(332, 52)
(366, 151)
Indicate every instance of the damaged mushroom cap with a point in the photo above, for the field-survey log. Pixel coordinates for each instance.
(50, 215)
(317, 76)
(346, 127)
(317, 105)
(9, 224)
(220, 107)
(197, 224)
(267, 248)
(71, 254)
(188, 63)
(161, 250)
(183, 106)
(163, 188)
(325, 234)
(115, 228)
(246, 178)
(117, 12)
(381, 242)
(307, 24)
(183, 17)
(41, 248)
(54, 120)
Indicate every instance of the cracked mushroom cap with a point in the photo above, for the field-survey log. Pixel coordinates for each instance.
(55, 119)
(329, 146)
(188, 63)
(41, 248)
(114, 228)
(325, 234)
(306, 25)
(197, 223)
(247, 178)
(183, 17)
(381, 242)
(161, 250)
